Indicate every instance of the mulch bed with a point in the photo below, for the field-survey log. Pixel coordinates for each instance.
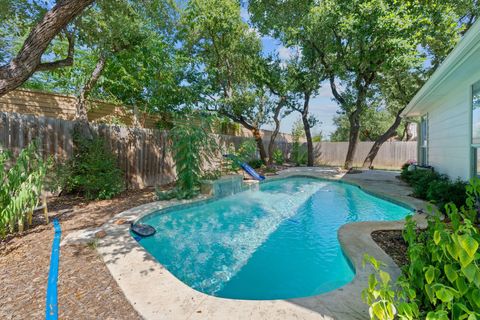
(86, 290)
(393, 244)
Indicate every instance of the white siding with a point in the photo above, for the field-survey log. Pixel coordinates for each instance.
(449, 133)
(446, 97)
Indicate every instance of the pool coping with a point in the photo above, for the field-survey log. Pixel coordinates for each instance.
(156, 294)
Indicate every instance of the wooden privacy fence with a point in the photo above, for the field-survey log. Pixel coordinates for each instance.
(46, 104)
(141, 153)
(392, 155)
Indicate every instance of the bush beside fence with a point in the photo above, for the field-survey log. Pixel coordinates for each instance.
(141, 153)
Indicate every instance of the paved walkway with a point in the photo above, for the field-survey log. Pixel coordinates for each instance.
(385, 183)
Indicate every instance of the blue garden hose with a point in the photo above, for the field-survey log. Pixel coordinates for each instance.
(52, 294)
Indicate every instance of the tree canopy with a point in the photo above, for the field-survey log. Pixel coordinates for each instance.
(362, 45)
(166, 55)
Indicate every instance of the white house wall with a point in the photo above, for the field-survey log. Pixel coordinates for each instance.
(449, 133)
(446, 98)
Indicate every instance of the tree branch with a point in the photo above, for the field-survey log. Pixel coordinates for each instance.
(67, 62)
(25, 63)
(335, 92)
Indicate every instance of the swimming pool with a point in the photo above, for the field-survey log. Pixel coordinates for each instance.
(277, 242)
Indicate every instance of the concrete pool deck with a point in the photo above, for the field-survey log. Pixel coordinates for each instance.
(156, 294)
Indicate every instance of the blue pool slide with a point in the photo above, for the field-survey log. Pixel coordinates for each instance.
(254, 174)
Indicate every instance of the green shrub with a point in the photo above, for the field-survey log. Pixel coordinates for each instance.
(442, 278)
(421, 180)
(255, 163)
(278, 157)
(299, 154)
(405, 174)
(20, 188)
(92, 171)
(434, 187)
(192, 146)
(269, 169)
(443, 191)
(246, 152)
(211, 175)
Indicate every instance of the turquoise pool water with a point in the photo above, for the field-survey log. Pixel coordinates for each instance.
(274, 243)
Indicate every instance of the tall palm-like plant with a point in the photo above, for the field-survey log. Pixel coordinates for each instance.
(20, 188)
(192, 146)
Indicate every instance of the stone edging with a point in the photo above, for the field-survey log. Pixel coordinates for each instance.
(156, 294)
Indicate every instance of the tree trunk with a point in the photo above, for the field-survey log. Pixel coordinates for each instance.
(353, 138)
(261, 148)
(271, 144)
(81, 107)
(28, 59)
(408, 133)
(308, 133)
(253, 129)
(391, 132)
(81, 118)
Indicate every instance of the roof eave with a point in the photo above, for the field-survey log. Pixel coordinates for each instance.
(453, 60)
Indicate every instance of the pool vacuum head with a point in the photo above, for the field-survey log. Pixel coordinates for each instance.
(143, 230)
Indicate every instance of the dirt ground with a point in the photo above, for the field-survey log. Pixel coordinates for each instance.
(393, 244)
(86, 290)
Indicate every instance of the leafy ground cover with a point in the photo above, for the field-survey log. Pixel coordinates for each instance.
(441, 279)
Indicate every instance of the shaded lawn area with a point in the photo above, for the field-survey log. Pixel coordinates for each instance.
(86, 290)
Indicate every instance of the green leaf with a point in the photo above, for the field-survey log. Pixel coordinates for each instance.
(436, 237)
(468, 244)
(450, 272)
(377, 310)
(461, 285)
(459, 310)
(470, 272)
(476, 297)
(444, 294)
(384, 276)
(438, 315)
(372, 282)
(453, 250)
(430, 274)
(431, 296)
(465, 258)
(405, 310)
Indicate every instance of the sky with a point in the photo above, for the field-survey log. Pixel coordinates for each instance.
(323, 107)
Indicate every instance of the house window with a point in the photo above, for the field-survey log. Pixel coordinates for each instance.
(476, 161)
(423, 152)
(476, 127)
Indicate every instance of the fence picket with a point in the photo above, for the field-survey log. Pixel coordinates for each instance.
(144, 155)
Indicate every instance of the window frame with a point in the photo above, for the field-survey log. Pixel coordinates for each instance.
(423, 141)
(474, 147)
